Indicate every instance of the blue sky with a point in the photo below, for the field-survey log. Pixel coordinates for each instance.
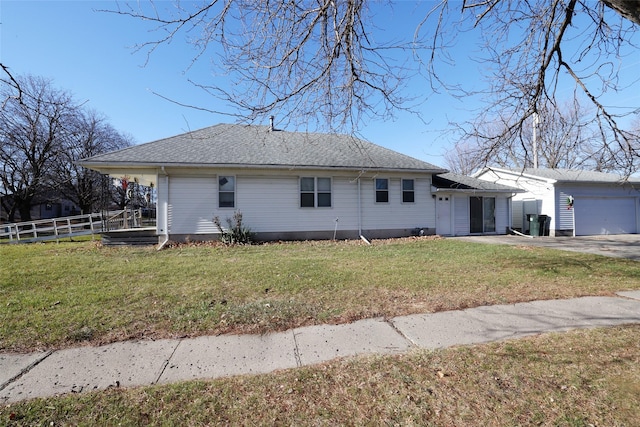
(89, 54)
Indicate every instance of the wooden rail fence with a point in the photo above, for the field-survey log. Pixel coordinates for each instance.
(69, 226)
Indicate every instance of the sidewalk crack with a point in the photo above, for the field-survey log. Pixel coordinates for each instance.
(25, 370)
(296, 350)
(399, 332)
(166, 363)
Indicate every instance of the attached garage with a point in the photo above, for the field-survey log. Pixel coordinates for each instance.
(603, 203)
(605, 215)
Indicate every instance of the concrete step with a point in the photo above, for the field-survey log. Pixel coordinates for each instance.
(143, 237)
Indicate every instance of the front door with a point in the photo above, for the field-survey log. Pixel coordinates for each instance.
(443, 215)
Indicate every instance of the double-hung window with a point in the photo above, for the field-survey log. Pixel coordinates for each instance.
(382, 190)
(226, 191)
(408, 192)
(315, 192)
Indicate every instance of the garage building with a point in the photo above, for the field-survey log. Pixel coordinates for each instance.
(575, 202)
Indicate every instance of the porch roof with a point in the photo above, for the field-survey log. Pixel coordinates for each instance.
(461, 183)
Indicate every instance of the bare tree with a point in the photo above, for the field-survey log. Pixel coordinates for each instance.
(312, 63)
(558, 45)
(89, 134)
(564, 137)
(32, 134)
(318, 62)
(43, 132)
(465, 157)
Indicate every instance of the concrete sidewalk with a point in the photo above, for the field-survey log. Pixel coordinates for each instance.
(137, 363)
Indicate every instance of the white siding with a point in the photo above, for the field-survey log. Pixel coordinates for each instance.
(502, 214)
(270, 203)
(517, 207)
(191, 207)
(396, 214)
(461, 215)
(538, 199)
(564, 216)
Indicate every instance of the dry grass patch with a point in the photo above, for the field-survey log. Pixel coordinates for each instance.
(578, 378)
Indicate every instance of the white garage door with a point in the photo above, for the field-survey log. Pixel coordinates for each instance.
(606, 215)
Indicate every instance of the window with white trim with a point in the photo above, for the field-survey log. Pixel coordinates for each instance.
(226, 191)
(315, 192)
(408, 191)
(382, 190)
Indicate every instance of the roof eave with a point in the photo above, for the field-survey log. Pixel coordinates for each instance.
(478, 190)
(522, 174)
(150, 165)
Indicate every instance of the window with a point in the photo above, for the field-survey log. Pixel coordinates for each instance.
(315, 192)
(382, 190)
(324, 192)
(226, 191)
(408, 194)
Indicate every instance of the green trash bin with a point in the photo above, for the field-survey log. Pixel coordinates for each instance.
(534, 224)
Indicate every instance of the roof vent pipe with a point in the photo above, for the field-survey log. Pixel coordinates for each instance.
(271, 128)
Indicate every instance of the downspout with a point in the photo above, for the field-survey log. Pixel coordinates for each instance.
(166, 214)
(510, 216)
(519, 233)
(364, 239)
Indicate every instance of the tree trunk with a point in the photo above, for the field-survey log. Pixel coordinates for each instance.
(24, 207)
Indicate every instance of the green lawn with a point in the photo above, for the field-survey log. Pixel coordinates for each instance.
(58, 295)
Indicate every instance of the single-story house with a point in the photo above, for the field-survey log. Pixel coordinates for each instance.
(287, 185)
(576, 202)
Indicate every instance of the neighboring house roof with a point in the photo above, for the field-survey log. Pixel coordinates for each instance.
(463, 183)
(562, 175)
(229, 145)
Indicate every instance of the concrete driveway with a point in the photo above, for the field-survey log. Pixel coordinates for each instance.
(620, 245)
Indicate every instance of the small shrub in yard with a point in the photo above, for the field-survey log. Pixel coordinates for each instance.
(236, 233)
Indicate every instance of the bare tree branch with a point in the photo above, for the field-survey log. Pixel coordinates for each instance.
(12, 83)
(319, 64)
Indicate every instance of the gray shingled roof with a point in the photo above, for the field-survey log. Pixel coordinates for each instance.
(228, 145)
(568, 175)
(454, 181)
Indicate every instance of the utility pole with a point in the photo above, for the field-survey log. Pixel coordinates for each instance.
(536, 120)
